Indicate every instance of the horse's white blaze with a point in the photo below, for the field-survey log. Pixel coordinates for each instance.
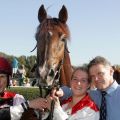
(43, 70)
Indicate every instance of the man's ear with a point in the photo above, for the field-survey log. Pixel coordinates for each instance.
(111, 71)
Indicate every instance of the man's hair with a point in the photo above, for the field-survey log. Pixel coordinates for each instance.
(99, 60)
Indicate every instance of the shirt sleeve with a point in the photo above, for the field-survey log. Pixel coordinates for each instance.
(18, 107)
(16, 112)
(67, 92)
(18, 99)
(59, 114)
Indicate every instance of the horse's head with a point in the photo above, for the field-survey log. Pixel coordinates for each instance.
(51, 36)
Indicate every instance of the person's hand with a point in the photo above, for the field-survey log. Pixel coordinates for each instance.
(58, 93)
(57, 102)
(38, 103)
(50, 99)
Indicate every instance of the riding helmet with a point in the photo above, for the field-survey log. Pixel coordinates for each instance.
(5, 66)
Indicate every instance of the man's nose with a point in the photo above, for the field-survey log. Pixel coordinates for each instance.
(78, 82)
(96, 78)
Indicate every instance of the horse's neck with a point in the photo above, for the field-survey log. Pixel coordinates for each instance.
(66, 70)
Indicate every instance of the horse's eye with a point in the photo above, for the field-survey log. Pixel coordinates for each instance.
(63, 40)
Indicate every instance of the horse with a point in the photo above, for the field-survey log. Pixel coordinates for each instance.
(53, 61)
(52, 52)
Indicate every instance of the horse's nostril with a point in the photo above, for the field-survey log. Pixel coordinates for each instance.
(51, 73)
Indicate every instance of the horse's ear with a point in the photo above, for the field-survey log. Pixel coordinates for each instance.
(42, 13)
(63, 15)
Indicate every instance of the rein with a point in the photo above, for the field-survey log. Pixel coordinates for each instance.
(55, 82)
(48, 89)
(34, 48)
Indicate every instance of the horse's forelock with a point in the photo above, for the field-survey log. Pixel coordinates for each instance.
(52, 24)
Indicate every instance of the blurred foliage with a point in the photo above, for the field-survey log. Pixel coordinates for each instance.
(27, 61)
(30, 61)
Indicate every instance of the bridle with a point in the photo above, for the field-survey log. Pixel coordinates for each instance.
(48, 89)
(55, 80)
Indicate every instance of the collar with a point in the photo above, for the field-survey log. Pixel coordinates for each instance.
(7, 94)
(112, 88)
(84, 102)
(1, 94)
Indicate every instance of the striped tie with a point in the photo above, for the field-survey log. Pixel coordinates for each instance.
(103, 108)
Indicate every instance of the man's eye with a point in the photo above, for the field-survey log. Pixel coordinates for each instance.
(84, 80)
(74, 79)
(101, 73)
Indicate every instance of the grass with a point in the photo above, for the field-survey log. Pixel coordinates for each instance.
(28, 92)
